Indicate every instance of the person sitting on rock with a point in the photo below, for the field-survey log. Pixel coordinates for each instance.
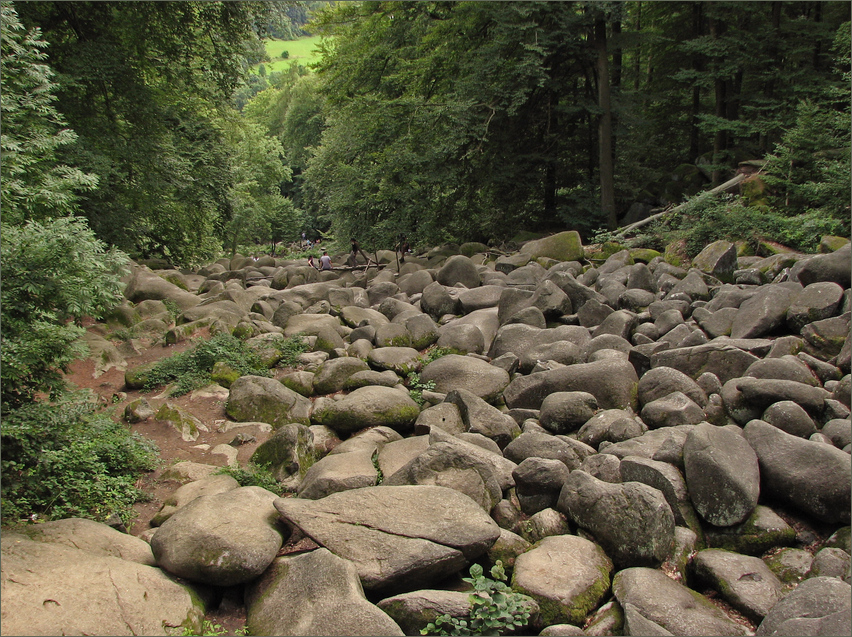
(325, 261)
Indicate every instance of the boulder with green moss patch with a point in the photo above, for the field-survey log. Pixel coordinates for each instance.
(365, 407)
(564, 246)
(260, 399)
(567, 575)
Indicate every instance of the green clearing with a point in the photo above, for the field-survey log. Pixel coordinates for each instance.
(303, 50)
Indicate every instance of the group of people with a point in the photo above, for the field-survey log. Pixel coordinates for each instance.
(402, 247)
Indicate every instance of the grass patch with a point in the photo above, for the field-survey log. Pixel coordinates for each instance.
(191, 369)
(303, 51)
(66, 460)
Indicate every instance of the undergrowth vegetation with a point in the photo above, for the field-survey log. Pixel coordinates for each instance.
(68, 460)
(253, 475)
(495, 607)
(191, 369)
(706, 218)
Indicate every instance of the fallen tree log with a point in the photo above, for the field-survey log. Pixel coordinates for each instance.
(715, 191)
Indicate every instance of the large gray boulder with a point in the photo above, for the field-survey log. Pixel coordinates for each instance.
(223, 540)
(670, 482)
(631, 521)
(670, 411)
(331, 375)
(533, 444)
(458, 269)
(565, 412)
(718, 357)
(260, 399)
(611, 381)
(186, 493)
(365, 407)
(764, 312)
(466, 372)
(563, 246)
(482, 418)
(670, 605)
(744, 581)
(400, 360)
(433, 532)
(449, 465)
(662, 381)
(49, 588)
(517, 338)
(415, 610)
(812, 476)
(818, 606)
(567, 575)
(835, 267)
(719, 259)
(92, 537)
(144, 285)
(339, 472)
(816, 302)
(665, 445)
(610, 425)
(288, 453)
(436, 301)
(315, 593)
(722, 474)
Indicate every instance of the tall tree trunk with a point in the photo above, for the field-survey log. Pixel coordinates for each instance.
(605, 162)
(698, 67)
(818, 45)
(637, 60)
(769, 86)
(720, 138)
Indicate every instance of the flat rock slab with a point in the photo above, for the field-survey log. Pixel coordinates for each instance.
(671, 606)
(399, 537)
(50, 589)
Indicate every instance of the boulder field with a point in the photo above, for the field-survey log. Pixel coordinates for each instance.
(649, 448)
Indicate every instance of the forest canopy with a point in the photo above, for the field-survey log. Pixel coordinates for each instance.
(446, 121)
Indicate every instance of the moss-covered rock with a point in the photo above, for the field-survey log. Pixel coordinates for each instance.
(644, 255)
(137, 377)
(224, 374)
(300, 382)
(183, 422)
(366, 407)
(566, 575)
(763, 530)
(829, 243)
(565, 246)
(288, 454)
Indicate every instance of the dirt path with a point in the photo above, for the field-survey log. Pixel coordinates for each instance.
(230, 614)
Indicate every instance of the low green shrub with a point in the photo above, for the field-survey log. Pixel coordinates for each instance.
(495, 607)
(416, 387)
(253, 475)
(68, 460)
(191, 369)
(291, 348)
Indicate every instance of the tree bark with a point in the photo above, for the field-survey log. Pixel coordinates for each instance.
(720, 138)
(605, 167)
